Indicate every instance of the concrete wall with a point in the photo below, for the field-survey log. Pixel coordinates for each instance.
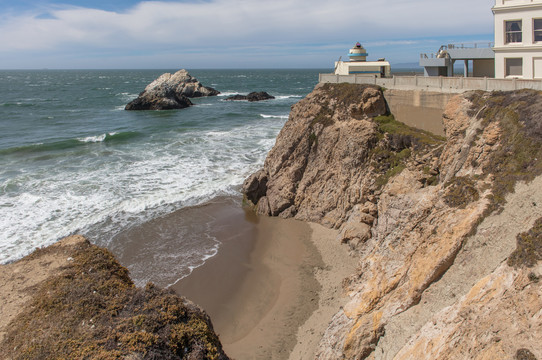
(419, 101)
(436, 84)
(366, 68)
(420, 109)
(483, 68)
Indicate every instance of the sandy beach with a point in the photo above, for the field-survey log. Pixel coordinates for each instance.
(273, 286)
(270, 291)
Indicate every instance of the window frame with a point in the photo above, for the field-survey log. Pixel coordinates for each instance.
(535, 30)
(509, 35)
(507, 67)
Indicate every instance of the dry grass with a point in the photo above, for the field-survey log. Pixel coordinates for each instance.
(92, 310)
(529, 247)
(519, 155)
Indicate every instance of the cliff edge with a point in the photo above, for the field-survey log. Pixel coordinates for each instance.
(74, 300)
(446, 230)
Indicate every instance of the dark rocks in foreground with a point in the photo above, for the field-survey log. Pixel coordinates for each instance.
(253, 96)
(170, 91)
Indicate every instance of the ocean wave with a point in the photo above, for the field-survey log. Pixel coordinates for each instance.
(17, 104)
(126, 96)
(94, 139)
(70, 143)
(282, 97)
(274, 116)
(112, 136)
(228, 93)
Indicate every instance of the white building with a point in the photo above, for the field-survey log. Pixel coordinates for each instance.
(358, 64)
(518, 39)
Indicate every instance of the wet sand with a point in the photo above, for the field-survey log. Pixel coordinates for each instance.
(273, 286)
(258, 299)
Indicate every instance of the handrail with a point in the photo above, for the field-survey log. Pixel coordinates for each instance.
(487, 45)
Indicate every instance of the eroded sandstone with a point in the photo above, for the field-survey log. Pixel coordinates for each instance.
(407, 203)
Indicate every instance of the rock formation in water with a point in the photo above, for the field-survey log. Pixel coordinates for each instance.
(447, 231)
(251, 97)
(170, 92)
(78, 302)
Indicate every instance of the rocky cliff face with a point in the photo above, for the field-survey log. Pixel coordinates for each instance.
(78, 302)
(432, 220)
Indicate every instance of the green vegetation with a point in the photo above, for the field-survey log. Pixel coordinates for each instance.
(460, 191)
(92, 310)
(529, 247)
(324, 117)
(388, 125)
(313, 139)
(346, 94)
(524, 354)
(519, 155)
(396, 145)
(389, 163)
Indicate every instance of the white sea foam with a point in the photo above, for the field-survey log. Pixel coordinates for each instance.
(93, 139)
(282, 97)
(105, 188)
(274, 116)
(126, 97)
(118, 188)
(210, 253)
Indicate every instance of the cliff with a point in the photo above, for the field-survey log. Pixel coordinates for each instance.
(73, 300)
(446, 230)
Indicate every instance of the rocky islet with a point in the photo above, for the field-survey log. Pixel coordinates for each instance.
(170, 91)
(251, 97)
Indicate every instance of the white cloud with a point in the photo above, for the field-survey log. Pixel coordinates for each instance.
(220, 25)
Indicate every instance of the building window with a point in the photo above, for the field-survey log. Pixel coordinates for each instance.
(513, 31)
(537, 26)
(514, 67)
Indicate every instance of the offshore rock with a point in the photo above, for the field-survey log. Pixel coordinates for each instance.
(170, 92)
(431, 220)
(253, 96)
(75, 298)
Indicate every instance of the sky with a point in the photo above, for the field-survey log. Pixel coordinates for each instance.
(199, 34)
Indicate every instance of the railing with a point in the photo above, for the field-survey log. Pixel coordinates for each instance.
(435, 83)
(514, 2)
(457, 46)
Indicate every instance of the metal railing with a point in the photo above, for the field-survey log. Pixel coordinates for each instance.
(457, 46)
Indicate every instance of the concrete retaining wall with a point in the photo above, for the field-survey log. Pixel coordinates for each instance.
(434, 83)
(420, 109)
(419, 101)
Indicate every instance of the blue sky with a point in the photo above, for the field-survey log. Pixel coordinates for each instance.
(84, 34)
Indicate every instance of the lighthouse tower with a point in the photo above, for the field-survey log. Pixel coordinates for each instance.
(359, 66)
(358, 53)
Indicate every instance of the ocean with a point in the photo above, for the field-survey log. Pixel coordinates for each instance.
(73, 161)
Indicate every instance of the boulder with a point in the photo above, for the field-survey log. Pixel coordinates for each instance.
(170, 91)
(253, 96)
